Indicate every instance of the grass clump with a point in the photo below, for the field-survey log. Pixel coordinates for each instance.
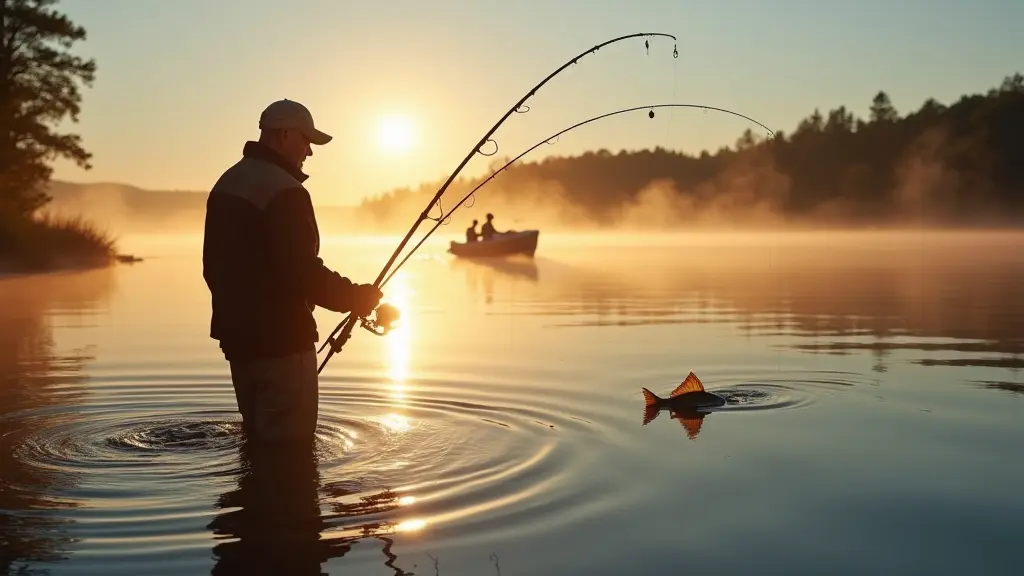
(49, 242)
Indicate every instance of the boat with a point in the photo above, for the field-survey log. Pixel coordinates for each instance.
(506, 244)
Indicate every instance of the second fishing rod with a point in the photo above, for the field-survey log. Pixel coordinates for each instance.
(343, 331)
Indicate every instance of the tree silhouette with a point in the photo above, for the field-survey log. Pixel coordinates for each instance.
(38, 89)
(882, 109)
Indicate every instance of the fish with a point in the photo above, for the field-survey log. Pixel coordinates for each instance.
(687, 403)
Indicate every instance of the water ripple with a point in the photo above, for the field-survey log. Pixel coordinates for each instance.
(143, 459)
(152, 463)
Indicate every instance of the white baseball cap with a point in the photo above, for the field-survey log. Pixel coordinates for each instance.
(290, 114)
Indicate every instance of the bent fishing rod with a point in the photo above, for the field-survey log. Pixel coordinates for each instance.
(385, 315)
(343, 331)
(651, 107)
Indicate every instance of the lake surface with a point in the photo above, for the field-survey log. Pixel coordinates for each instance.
(875, 422)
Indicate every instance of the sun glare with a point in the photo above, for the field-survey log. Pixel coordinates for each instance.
(395, 134)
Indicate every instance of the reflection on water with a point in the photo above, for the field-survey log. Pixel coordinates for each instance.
(1011, 387)
(690, 419)
(274, 518)
(273, 522)
(480, 273)
(872, 387)
(399, 354)
(36, 375)
(933, 294)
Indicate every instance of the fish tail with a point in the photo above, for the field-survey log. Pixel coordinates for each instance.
(650, 398)
(651, 412)
(651, 408)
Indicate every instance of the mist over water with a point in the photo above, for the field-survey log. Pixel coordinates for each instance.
(874, 387)
(751, 187)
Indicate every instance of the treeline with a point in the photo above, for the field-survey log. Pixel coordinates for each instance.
(961, 164)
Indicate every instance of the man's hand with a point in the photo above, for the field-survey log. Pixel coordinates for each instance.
(365, 299)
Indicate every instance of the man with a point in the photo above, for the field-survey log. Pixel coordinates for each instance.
(261, 264)
(487, 231)
(471, 233)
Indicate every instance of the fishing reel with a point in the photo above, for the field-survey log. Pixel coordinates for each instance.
(385, 318)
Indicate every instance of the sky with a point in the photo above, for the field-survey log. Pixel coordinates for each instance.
(180, 85)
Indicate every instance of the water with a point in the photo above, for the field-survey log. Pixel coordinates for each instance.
(874, 425)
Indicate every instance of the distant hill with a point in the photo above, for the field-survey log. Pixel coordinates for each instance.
(122, 208)
(114, 199)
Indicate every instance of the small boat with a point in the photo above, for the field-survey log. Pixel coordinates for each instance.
(506, 244)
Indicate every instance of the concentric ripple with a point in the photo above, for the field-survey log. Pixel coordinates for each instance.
(149, 463)
(177, 434)
(764, 396)
(479, 460)
(791, 389)
(154, 464)
(112, 439)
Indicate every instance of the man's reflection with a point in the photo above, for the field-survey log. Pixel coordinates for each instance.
(278, 523)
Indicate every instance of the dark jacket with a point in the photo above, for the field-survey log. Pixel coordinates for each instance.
(260, 260)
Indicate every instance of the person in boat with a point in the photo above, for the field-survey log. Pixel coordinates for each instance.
(261, 264)
(471, 233)
(487, 231)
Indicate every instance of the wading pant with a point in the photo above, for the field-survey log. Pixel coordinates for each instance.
(277, 397)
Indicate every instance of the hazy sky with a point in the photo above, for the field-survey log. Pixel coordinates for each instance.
(180, 84)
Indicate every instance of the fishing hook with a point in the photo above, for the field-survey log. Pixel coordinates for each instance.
(343, 331)
(649, 108)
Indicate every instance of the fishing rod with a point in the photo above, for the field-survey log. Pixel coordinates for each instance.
(386, 316)
(548, 140)
(343, 331)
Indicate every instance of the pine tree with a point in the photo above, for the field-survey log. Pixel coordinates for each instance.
(38, 89)
(882, 109)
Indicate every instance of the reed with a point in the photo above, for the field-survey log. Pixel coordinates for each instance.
(49, 242)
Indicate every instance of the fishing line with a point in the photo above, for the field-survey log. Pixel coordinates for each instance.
(675, 78)
(550, 140)
(650, 111)
(671, 113)
(343, 331)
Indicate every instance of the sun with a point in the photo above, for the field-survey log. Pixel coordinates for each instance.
(395, 134)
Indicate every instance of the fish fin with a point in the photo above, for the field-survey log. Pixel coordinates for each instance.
(651, 412)
(691, 384)
(692, 426)
(650, 398)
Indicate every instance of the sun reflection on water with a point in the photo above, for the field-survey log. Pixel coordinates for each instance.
(395, 422)
(411, 526)
(399, 352)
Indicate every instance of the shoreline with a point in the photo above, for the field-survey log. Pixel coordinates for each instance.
(9, 270)
(44, 243)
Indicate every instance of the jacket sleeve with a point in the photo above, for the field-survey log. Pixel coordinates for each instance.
(292, 247)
